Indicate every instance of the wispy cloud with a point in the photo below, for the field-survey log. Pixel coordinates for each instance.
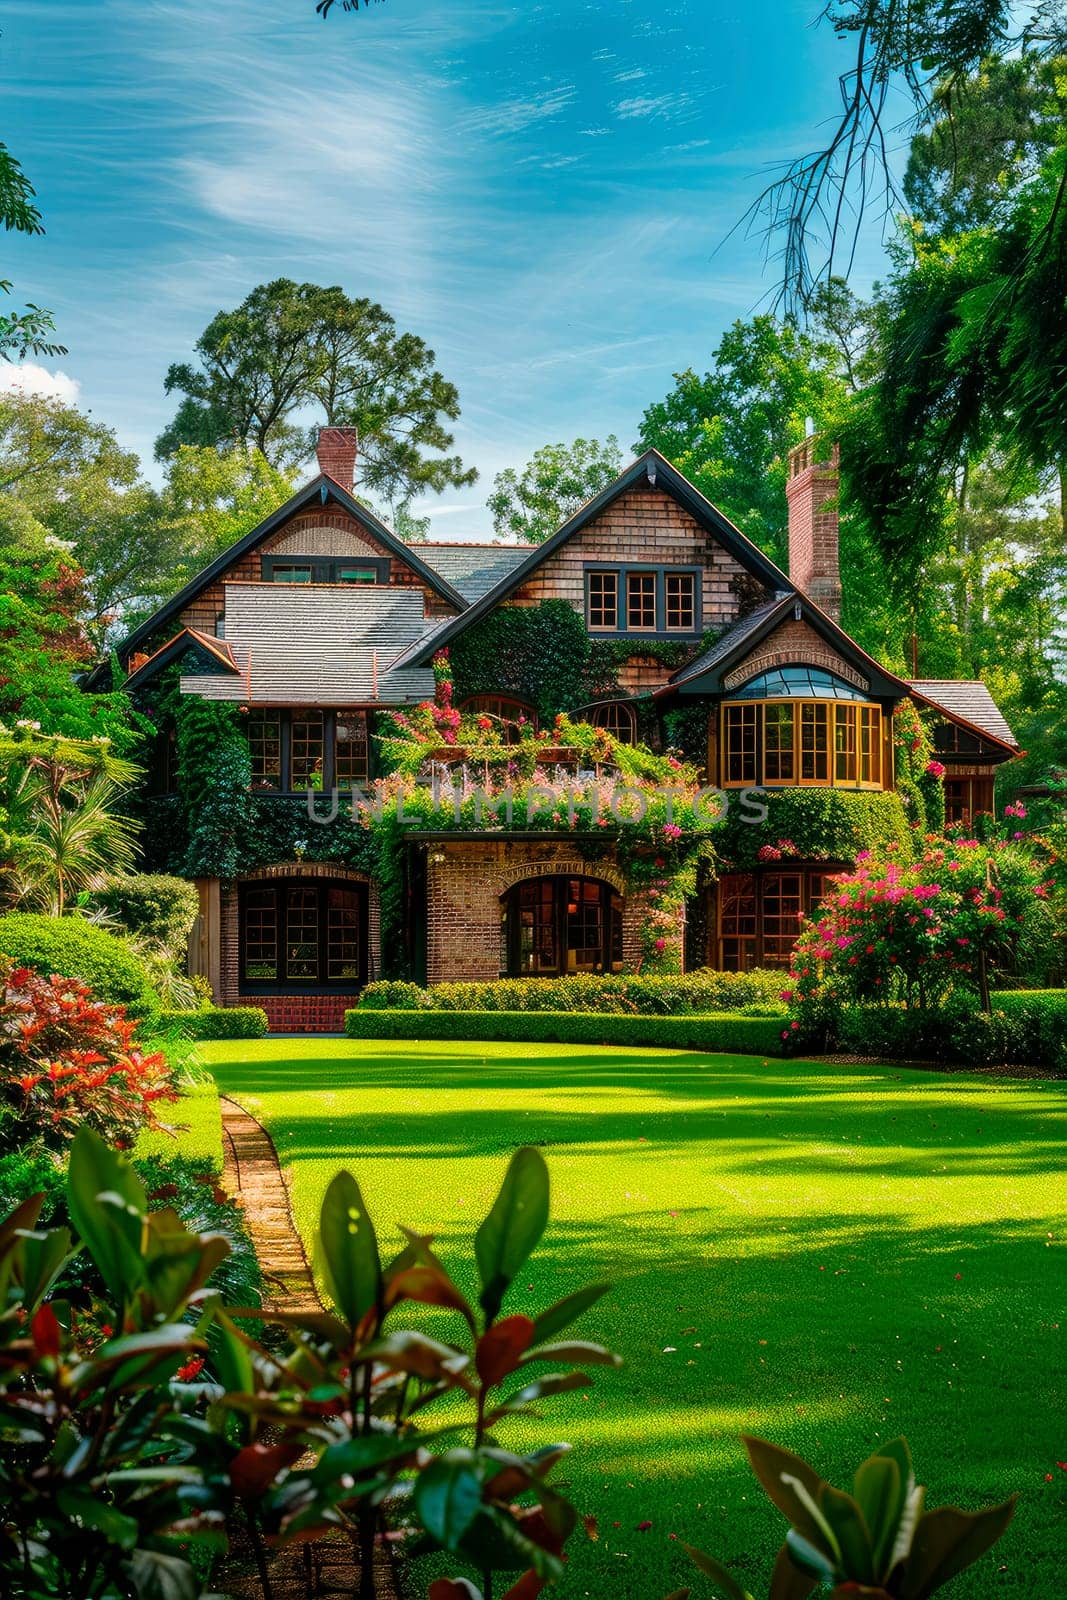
(652, 105)
(631, 75)
(512, 116)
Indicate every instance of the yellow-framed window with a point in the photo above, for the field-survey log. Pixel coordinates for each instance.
(740, 730)
(844, 744)
(814, 742)
(870, 745)
(779, 757)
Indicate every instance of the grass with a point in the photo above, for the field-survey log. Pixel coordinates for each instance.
(827, 1256)
(196, 1116)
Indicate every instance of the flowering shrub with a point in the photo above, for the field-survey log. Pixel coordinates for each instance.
(911, 931)
(68, 1060)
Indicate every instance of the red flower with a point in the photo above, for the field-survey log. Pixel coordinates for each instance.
(192, 1369)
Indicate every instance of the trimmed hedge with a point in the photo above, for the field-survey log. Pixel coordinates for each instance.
(695, 995)
(218, 1022)
(1025, 1027)
(74, 948)
(731, 1034)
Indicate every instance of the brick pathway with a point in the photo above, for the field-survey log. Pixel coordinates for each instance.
(252, 1171)
(254, 1174)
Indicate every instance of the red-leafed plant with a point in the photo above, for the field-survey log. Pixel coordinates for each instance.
(67, 1059)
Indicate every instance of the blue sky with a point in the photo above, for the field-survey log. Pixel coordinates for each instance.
(541, 191)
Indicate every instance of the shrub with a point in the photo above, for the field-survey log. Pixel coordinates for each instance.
(733, 1034)
(695, 995)
(67, 1059)
(152, 906)
(217, 1022)
(1027, 1027)
(73, 948)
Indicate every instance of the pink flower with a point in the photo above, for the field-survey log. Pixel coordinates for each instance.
(935, 769)
(659, 946)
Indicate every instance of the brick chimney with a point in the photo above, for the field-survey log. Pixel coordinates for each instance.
(811, 491)
(336, 451)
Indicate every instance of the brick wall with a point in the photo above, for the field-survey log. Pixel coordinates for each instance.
(304, 1013)
(465, 882)
(790, 642)
(811, 492)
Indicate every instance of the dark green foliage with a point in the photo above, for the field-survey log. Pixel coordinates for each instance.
(722, 1032)
(823, 824)
(693, 995)
(538, 653)
(152, 906)
(74, 948)
(216, 1022)
(1025, 1026)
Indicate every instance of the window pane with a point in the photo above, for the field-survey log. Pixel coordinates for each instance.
(778, 743)
(739, 744)
(343, 930)
(290, 574)
(737, 921)
(538, 951)
(585, 925)
(641, 601)
(261, 935)
(845, 744)
(305, 760)
(302, 935)
(870, 751)
(680, 602)
(781, 916)
(814, 743)
(351, 749)
(603, 599)
(265, 749)
(617, 719)
(356, 575)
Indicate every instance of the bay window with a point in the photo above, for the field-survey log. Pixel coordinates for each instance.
(832, 739)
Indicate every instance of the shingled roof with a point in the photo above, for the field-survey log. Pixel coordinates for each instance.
(319, 645)
(473, 569)
(969, 699)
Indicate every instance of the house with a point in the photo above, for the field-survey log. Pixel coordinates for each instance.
(648, 615)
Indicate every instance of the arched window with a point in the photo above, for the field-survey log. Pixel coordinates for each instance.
(617, 718)
(508, 711)
(555, 926)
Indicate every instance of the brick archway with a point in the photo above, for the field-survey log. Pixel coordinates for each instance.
(508, 877)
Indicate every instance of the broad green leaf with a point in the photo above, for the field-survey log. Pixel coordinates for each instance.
(947, 1541)
(423, 1357)
(22, 1220)
(347, 1250)
(230, 1356)
(576, 1350)
(40, 1261)
(809, 1558)
(851, 1533)
(448, 1496)
(723, 1580)
(880, 1493)
(794, 1487)
(107, 1206)
(157, 1576)
(540, 1389)
(366, 1453)
(566, 1311)
(92, 1512)
(513, 1227)
(494, 1541)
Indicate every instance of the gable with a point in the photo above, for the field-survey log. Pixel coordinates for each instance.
(320, 505)
(792, 642)
(314, 539)
(645, 526)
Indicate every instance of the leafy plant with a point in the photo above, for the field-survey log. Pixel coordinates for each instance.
(878, 1541)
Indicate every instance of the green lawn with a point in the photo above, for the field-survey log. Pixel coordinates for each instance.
(828, 1256)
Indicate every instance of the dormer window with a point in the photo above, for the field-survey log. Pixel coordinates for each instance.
(326, 569)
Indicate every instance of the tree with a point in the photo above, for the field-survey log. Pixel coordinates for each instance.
(65, 478)
(731, 430)
(556, 480)
(22, 333)
(290, 349)
(211, 499)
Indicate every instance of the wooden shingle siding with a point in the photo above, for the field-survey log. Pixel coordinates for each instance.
(790, 642)
(642, 525)
(317, 531)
